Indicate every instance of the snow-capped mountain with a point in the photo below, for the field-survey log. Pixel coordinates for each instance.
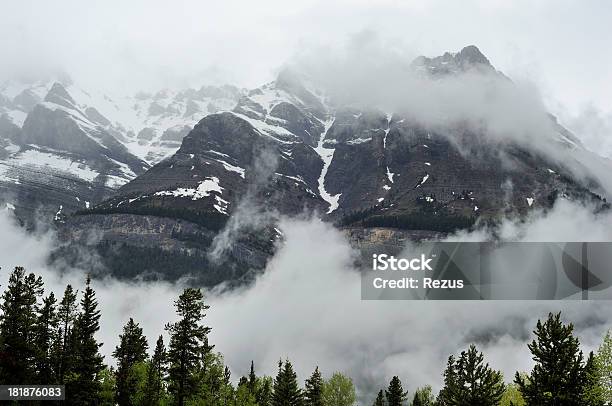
(287, 148)
(63, 149)
(152, 126)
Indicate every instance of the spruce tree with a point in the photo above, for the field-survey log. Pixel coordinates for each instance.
(132, 349)
(469, 381)
(395, 393)
(18, 317)
(156, 375)
(63, 347)
(286, 389)
(313, 393)
(188, 344)
(45, 332)
(559, 375)
(84, 385)
(380, 399)
(252, 381)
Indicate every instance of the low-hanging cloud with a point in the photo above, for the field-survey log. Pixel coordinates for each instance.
(370, 72)
(307, 307)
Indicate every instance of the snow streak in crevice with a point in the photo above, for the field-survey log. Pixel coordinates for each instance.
(326, 154)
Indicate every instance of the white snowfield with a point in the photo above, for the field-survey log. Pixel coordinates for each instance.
(127, 115)
(47, 161)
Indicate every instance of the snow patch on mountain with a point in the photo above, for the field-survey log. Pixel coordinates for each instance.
(204, 189)
(49, 161)
(327, 155)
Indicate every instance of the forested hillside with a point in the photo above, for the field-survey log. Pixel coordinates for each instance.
(49, 340)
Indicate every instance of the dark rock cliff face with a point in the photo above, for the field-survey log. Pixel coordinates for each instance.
(156, 247)
(61, 160)
(381, 176)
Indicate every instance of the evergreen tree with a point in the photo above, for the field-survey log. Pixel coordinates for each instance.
(84, 385)
(44, 334)
(395, 393)
(592, 392)
(423, 397)
(18, 317)
(252, 382)
(286, 389)
(313, 394)
(264, 391)
(63, 348)
(188, 345)
(380, 399)
(469, 381)
(156, 374)
(131, 350)
(603, 359)
(559, 376)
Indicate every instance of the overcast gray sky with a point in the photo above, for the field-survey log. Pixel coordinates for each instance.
(560, 44)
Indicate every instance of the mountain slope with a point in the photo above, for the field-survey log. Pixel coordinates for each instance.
(286, 149)
(61, 159)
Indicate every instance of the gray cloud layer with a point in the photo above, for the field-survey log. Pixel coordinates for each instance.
(307, 307)
(144, 45)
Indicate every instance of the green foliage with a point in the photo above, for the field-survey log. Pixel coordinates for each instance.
(439, 221)
(155, 388)
(380, 399)
(214, 387)
(63, 347)
(188, 345)
(469, 381)
(339, 391)
(313, 393)
(286, 389)
(395, 393)
(211, 220)
(84, 384)
(18, 326)
(44, 334)
(107, 387)
(264, 390)
(423, 397)
(603, 360)
(45, 342)
(559, 376)
(592, 393)
(132, 350)
(512, 396)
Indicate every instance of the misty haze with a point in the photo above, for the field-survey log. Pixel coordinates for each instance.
(191, 196)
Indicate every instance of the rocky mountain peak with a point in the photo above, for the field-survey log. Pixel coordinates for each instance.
(472, 55)
(468, 58)
(59, 95)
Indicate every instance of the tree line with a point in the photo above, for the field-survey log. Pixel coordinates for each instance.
(46, 341)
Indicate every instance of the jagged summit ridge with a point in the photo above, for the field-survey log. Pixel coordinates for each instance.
(467, 59)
